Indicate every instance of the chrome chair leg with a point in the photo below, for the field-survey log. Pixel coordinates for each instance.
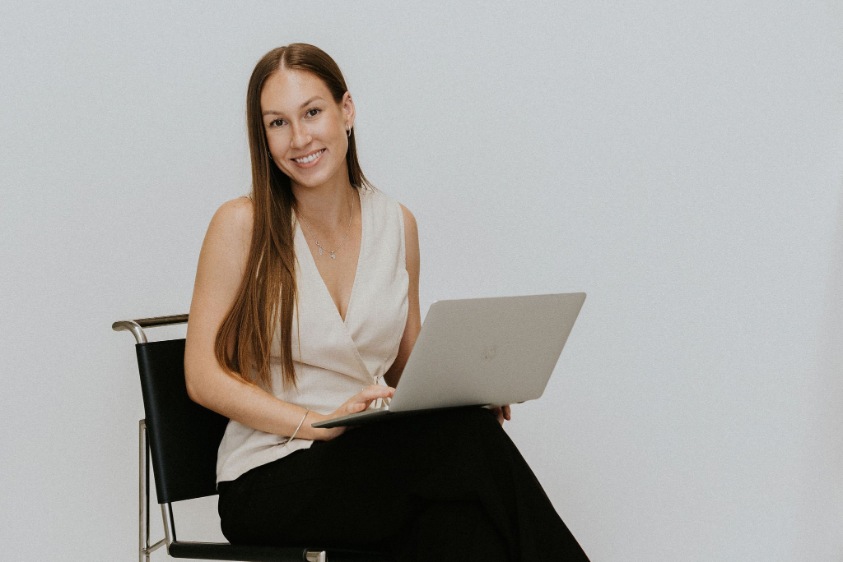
(144, 548)
(143, 494)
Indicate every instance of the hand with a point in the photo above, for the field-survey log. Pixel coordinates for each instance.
(363, 400)
(356, 403)
(503, 413)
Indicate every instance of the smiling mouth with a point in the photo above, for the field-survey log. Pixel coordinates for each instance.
(310, 158)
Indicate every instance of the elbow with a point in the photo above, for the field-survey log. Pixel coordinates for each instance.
(193, 383)
(193, 394)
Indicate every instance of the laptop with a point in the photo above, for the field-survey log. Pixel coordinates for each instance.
(479, 352)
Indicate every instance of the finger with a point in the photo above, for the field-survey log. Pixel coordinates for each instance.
(355, 407)
(373, 392)
(507, 412)
(368, 394)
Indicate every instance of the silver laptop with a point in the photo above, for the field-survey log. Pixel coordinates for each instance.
(488, 351)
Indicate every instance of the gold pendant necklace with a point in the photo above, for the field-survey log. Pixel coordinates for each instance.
(321, 249)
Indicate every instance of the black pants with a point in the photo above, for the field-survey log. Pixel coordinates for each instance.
(436, 487)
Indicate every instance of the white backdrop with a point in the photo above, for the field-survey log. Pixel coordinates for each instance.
(683, 165)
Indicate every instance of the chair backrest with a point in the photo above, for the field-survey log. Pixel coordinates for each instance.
(183, 436)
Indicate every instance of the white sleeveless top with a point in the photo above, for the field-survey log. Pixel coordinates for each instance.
(334, 358)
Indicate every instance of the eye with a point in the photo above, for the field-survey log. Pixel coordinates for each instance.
(276, 123)
(313, 112)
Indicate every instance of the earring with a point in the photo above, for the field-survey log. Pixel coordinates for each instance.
(348, 131)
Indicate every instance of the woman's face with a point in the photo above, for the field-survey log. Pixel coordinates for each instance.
(306, 129)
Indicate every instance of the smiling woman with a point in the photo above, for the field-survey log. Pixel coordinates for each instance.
(317, 242)
(308, 139)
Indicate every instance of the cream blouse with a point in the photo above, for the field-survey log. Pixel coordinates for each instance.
(334, 358)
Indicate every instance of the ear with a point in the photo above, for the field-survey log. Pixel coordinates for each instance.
(348, 109)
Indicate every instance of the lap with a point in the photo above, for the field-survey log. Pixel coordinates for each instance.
(371, 480)
(432, 480)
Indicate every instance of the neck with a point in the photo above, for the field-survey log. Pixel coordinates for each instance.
(326, 207)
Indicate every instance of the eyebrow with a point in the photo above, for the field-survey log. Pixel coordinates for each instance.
(302, 106)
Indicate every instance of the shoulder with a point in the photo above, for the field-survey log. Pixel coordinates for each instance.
(235, 213)
(387, 206)
(229, 235)
(233, 220)
(411, 243)
(410, 225)
(386, 201)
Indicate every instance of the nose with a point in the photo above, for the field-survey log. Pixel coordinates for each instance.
(301, 137)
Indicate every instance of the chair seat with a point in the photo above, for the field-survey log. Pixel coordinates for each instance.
(225, 551)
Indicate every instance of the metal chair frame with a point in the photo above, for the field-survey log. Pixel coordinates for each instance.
(145, 549)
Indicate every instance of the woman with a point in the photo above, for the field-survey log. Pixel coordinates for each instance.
(305, 302)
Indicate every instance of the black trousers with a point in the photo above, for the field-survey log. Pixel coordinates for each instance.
(442, 486)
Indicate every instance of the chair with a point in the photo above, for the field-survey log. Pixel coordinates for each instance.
(183, 438)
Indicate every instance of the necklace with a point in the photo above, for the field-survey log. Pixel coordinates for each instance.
(321, 249)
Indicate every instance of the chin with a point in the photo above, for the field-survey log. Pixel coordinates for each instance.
(315, 180)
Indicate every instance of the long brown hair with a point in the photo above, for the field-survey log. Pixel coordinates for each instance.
(267, 293)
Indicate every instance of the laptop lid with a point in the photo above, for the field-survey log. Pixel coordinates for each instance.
(499, 350)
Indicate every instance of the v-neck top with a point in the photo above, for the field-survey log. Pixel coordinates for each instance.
(334, 358)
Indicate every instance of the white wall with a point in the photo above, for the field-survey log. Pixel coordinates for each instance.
(681, 164)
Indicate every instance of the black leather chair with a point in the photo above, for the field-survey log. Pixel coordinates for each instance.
(183, 438)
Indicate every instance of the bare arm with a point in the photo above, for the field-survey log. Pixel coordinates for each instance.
(413, 326)
(222, 263)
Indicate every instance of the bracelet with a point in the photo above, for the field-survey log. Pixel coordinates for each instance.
(298, 427)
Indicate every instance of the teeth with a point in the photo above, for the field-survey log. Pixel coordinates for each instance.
(309, 159)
